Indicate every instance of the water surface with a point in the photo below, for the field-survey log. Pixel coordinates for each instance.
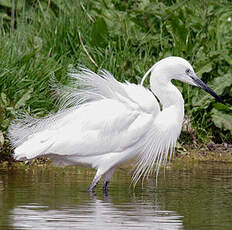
(188, 197)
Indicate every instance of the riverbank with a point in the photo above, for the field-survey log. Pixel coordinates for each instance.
(214, 153)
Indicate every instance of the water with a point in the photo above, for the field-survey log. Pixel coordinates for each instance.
(187, 197)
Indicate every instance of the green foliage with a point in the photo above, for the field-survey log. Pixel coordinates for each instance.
(222, 120)
(40, 37)
(99, 39)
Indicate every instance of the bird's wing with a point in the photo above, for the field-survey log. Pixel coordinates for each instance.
(95, 128)
(89, 86)
(111, 117)
(111, 120)
(101, 127)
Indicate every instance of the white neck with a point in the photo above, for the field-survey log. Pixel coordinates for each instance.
(167, 93)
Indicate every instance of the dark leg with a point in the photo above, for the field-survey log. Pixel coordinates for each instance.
(105, 186)
(107, 177)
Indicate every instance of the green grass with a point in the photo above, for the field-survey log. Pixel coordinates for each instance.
(124, 37)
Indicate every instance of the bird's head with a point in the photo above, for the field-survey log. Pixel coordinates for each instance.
(179, 69)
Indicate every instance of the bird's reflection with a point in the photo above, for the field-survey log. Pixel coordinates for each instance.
(96, 213)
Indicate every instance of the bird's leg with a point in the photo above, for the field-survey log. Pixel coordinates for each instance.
(108, 175)
(105, 186)
(95, 181)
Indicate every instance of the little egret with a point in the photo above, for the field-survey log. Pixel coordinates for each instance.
(106, 122)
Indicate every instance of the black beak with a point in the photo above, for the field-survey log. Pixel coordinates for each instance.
(202, 85)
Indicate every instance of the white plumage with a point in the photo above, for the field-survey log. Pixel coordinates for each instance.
(103, 123)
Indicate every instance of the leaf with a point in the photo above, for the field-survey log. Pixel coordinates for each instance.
(6, 3)
(222, 107)
(99, 33)
(222, 120)
(22, 101)
(218, 85)
(205, 69)
(227, 58)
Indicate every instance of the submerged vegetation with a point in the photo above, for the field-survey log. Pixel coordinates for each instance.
(42, 38)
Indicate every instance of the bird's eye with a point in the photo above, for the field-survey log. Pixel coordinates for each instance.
(187, 71)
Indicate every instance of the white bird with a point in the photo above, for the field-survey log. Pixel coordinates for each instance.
(106, 122)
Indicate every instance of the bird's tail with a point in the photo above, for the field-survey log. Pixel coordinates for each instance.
(31, 137)
(35, 146)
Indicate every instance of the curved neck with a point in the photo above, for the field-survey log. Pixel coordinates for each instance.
(167, 93)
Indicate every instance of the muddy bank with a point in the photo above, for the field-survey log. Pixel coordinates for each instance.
(210, 154)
